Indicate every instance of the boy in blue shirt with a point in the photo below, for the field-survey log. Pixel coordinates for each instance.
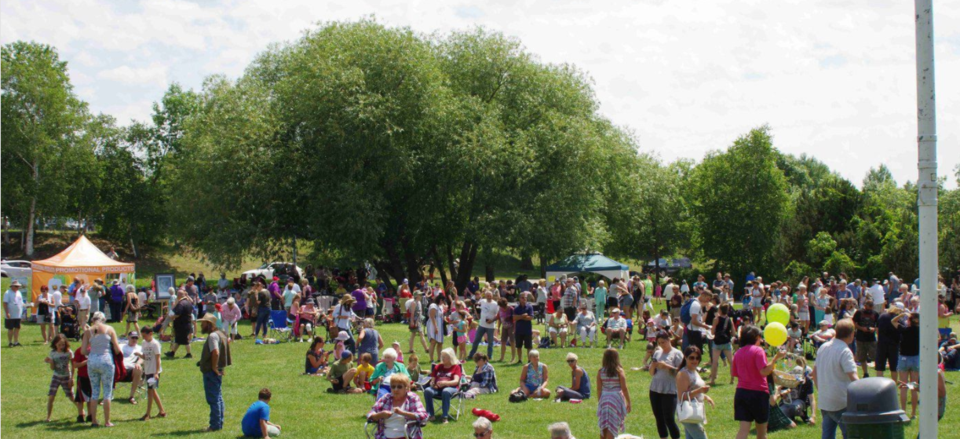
(256, 422)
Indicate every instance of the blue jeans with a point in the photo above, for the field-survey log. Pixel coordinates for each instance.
(832, 420)
(212, 384)
(263, 319)
(446, 395)
(694, 431)
(479, 337)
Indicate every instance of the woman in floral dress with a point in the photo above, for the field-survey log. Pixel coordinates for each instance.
(614, 398)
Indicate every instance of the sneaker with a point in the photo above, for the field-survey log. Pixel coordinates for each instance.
(80, 419)
(188, 356)
(168, 354)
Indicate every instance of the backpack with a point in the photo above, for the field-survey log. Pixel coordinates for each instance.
(685, 312)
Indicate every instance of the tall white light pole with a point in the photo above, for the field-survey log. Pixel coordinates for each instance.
(927, 201)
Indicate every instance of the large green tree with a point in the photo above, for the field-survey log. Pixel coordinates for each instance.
(380, 143)
(739, 201)
(40, 119)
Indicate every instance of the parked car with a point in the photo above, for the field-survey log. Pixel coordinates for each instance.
(15, 269)
(278, 269)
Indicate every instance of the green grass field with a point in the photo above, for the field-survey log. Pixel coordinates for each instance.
(301, 406)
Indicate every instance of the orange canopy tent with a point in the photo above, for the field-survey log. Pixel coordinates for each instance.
(81, 260)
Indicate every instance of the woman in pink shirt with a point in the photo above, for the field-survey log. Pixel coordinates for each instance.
(230, 315)
(751, 402)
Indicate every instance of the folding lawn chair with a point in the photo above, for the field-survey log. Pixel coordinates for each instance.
(406, 430)
(462, 393)
(279, 325)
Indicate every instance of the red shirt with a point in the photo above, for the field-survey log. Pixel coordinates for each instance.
(442, 373)
(78, 357)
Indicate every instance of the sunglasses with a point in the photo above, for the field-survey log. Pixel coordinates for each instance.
(398, 387)
(480, 434)
(571, 361)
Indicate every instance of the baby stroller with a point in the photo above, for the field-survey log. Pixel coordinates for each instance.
(68, 322)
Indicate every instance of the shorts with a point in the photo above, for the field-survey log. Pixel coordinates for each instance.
(887, 353)
(804, 316)
(755, 303)
(909, 363)
(506, 336)
(723, 347)
(127, 377)
(340, 386)
(132, 317)
(626, 301)
(751, 406)
(82, 394)
(524, 341)
(44, 318)
(866, 351)
(461, 340)
(11, 323)
(181, 335)
(152, 376)
(557, 331)
(60, 381)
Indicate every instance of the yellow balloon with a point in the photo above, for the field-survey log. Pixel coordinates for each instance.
(778, 313)
(775, 334)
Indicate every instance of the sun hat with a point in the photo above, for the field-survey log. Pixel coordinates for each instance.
(15, 284)
(342, 336)
(209, 318)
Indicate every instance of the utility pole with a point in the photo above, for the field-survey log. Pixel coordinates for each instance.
(927, 206)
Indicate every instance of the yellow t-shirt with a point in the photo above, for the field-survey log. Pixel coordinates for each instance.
(366, 370)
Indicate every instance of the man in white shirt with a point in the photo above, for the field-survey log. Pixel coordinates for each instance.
(13, 313)
(697, 329)
(834, 370)
(132, 361)
(876, 292)
(57, 298)
(489, 311)
(223, 283)
(616, 325)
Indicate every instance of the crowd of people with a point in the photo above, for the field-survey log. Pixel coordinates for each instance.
(842, 325)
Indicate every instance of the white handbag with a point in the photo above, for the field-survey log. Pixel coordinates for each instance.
(690, 410)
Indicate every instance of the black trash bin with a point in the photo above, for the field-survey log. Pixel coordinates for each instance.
(873, 410)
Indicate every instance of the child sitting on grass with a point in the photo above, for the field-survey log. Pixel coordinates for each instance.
(60, 363)
(341, 375)
(364, 372)
(256, 422)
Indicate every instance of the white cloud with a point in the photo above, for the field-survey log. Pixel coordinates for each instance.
(833, 79)
(155, 75)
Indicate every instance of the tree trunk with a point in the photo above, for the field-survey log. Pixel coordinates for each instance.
(526, 261)
(133, 246)
(30, 226)
(454, 270)
(438, 262)
(468, 257)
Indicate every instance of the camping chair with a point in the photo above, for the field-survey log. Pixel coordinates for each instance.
(278, 324)
(388, 311)
(462, 393)
(406, 431)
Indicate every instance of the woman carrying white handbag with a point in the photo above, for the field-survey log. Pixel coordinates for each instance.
(691, 392)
